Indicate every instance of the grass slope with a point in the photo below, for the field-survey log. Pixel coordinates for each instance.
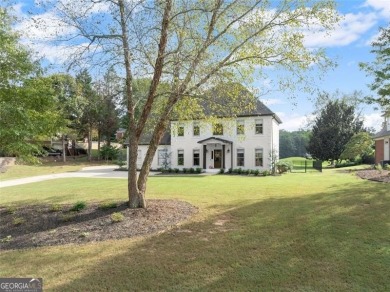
(307, 232)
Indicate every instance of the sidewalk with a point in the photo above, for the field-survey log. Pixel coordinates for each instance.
(93, 171)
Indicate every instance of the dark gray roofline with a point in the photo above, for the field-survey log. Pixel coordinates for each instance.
(215, 138)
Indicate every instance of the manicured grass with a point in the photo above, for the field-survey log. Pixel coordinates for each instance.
(300, 232)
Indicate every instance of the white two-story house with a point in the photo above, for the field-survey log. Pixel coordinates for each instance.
(246, 141)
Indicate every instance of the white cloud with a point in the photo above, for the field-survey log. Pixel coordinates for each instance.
(294, 122)
(272, 101)
(350, 29)
(383, 6)
(373, 120)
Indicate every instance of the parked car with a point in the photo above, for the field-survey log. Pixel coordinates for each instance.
(48, 151)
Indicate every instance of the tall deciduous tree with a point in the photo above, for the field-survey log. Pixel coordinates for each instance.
(27, 103)
(380, 69)
(333, 128)
(190, 45)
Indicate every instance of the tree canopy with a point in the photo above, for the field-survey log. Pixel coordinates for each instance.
(27, 102)
(333, 128)
(380, 70)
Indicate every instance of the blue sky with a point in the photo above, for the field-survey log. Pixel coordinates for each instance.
(348, 45)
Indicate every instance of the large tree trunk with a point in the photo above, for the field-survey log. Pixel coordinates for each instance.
(99, 137)
(63, 149)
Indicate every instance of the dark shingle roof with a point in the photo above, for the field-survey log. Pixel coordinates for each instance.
(382, 133)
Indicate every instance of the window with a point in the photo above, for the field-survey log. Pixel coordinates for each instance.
(240, 157)
(196, 130)
(240, 127)
(180, 157)
(180, 131)
(196, 157)
(259, 127)
(259, 157)
(162, 157)
(218, 129)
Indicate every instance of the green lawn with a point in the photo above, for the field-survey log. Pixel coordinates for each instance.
(298, 232)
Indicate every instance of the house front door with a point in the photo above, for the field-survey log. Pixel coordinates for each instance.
(217, 158)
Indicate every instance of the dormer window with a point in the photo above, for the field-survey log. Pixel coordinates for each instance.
(180, 131)
(196, 130)
(218, 129)
(240, 127)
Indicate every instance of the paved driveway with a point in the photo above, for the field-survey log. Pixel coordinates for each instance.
(93, 171)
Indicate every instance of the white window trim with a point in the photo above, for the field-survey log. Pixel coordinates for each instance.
(262, 126)
(243, 151)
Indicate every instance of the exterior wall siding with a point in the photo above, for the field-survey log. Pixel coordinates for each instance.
(379, 151)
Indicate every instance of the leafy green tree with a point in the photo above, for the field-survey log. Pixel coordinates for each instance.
(333, 128)
(27, 103)
(380, 70)
(90, 109)
(189, 45)
(109, 91)
(361, 144)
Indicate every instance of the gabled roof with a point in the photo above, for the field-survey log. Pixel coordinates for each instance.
(145, 139)
(215, 138)
(382, 134)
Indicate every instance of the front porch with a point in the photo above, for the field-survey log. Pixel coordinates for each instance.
(217, 154)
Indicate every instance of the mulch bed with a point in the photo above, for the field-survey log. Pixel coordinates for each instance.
(40, 225)
(374, 175)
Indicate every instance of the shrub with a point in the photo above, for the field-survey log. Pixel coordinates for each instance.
(80, 205)
(256, 172)
(184, 170)
(283, 166)
(230, 170)
(386, 167)
(66, 217)
(108, 205)
(192, 170)
(379, 167)
(265, 173)
(198, 170)
(239, 171)
(117, 217)
(11, 210)
(55, 208)
(170, 170)
(109, 152)
(8, 238)
(120, 163)
(18, 221)
(222, 171)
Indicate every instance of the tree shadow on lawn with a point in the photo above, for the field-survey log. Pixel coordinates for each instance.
(336, 240)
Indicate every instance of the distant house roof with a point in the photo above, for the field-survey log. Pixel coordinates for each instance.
(382, 134)
(145, 139)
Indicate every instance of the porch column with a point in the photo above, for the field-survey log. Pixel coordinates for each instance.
(231, 151)
(204, 156)
(223, 156)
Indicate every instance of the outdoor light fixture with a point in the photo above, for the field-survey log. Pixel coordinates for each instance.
(228, 150)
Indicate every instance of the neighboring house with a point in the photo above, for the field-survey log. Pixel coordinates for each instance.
(382, 142)
(246, 142)
(120, 134)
